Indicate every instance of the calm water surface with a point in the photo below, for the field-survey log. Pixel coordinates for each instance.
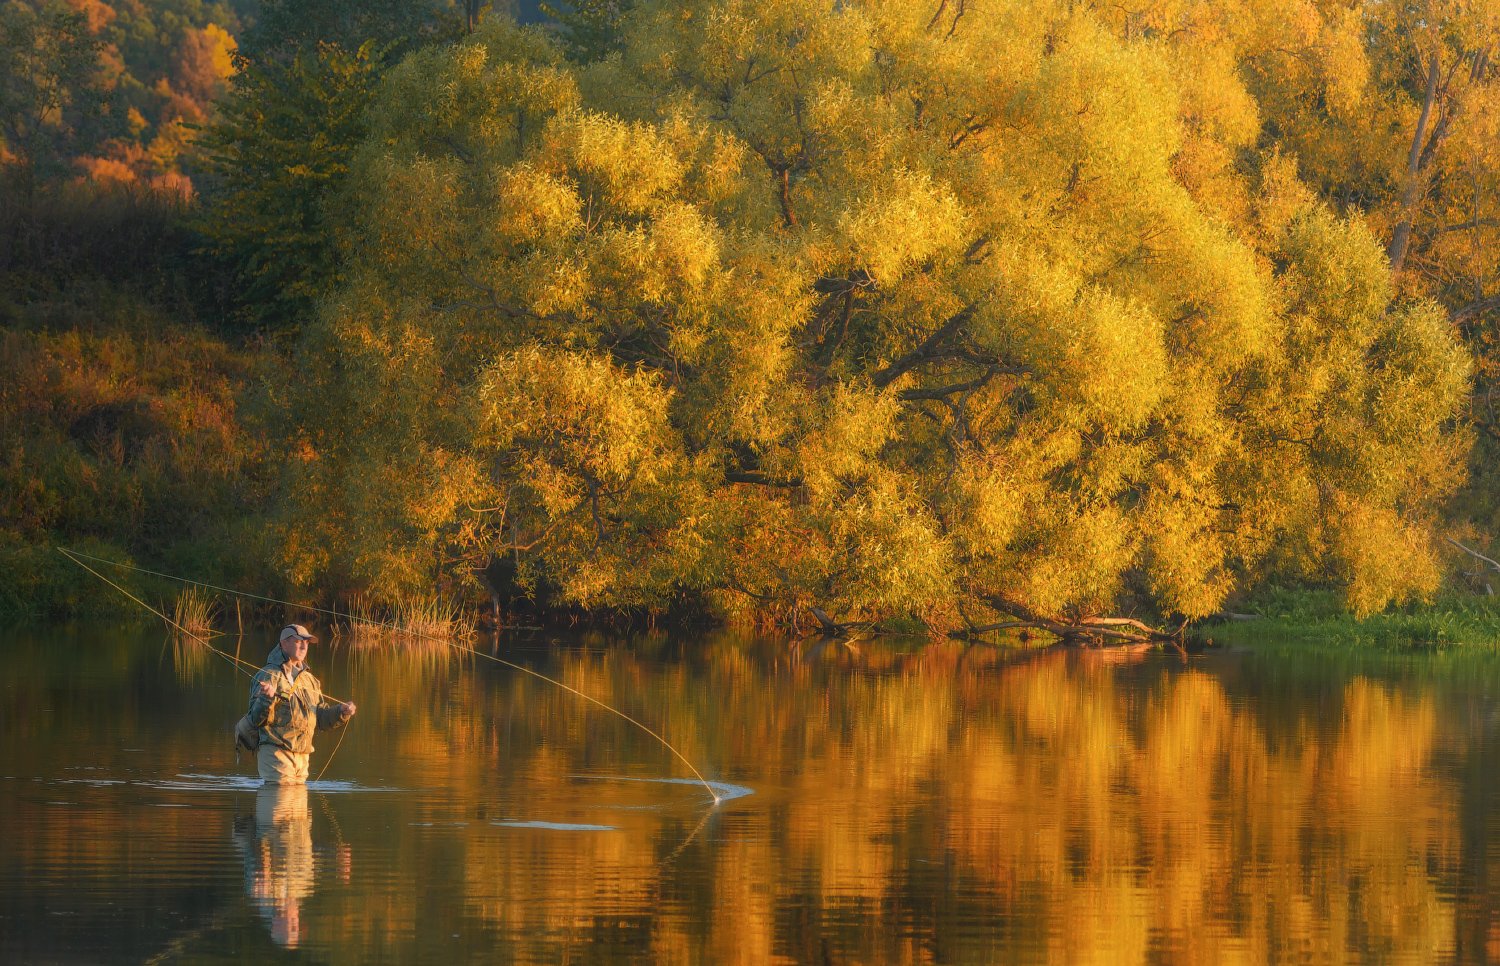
(883, 804)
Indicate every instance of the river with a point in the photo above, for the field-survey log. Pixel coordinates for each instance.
(883, 802)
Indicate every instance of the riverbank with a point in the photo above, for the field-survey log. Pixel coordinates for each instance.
(1316, 616)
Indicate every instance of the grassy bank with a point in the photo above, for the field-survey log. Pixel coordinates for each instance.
(1315, 616)
(121, 431)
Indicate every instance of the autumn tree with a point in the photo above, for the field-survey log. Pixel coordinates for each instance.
(1389, 112)
(49, 85)
(891, 308)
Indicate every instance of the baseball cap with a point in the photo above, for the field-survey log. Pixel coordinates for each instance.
(297, 632)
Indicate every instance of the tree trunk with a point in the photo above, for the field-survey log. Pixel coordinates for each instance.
(1086, 630)
(1411, 192)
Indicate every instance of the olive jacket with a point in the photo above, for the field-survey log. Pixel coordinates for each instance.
(299, 708)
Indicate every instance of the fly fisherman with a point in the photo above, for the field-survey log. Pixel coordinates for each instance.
(287, 706)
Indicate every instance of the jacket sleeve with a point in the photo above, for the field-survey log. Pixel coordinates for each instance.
(260, 705)
(328, 714)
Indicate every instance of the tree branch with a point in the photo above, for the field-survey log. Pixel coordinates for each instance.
(926, 350)
(784, 195)
(1468, 225)
(758, 478)
(1465, 313)
(1125, 630)
(1475, 553)
(978, 382)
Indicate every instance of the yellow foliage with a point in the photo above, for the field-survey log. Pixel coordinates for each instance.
(888, 312)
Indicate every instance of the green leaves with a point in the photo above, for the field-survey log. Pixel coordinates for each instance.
(278, 155)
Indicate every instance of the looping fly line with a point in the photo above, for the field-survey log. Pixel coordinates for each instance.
(75, 556)
(235, 662)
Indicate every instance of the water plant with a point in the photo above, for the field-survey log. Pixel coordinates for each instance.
(195, 612)
(411, 621)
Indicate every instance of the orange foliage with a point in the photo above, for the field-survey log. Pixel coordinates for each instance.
(97, 13)
(107, 170)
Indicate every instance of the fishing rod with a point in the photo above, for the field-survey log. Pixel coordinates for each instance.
(234, 661)
(75, 554)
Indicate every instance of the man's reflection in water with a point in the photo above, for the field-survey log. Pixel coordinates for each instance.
(279, 860)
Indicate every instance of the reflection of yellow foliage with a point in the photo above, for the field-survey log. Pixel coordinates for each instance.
(1383, 741)
(1121, 814)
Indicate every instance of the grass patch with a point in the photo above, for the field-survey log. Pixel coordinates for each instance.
(1319, 616)
(410, 622)
(194, 614)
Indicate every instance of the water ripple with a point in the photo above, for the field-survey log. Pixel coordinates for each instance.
(724, 790)
(559, 826)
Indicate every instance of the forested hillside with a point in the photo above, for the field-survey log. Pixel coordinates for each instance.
(947, 313)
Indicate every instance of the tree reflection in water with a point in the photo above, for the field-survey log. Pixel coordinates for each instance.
(932, 803)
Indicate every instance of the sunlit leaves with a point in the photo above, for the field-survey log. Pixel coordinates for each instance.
(788, 307)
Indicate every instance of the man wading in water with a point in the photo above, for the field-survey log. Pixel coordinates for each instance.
(287, 706)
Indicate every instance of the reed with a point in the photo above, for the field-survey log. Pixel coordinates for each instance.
(195, 613)
(410, 622)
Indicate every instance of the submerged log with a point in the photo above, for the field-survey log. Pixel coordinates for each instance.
(829, 626)
(1087, 631)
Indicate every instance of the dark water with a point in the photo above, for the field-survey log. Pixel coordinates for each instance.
(883, 805)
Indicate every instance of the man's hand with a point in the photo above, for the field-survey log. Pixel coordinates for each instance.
(346, 710)
(267, 689)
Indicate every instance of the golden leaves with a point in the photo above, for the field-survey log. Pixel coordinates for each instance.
(826, 307)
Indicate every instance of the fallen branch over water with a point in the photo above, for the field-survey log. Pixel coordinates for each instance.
(1095, 631)
(829, 627)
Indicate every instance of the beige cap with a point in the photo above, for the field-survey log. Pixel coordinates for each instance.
(296, 632)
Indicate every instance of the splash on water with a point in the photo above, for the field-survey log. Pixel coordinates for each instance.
(723, 790)
(212, 783)
(203, 783)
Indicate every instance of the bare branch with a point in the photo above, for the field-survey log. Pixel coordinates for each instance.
(758, 478)
(1465, 313)
(784, 195)
(1123, 629)
(978, 382)
(926, 350)
(1468, 225)
(1475, 553)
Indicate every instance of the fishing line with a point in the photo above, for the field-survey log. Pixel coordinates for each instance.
(343, 731)
(234, 662)
(391, 625)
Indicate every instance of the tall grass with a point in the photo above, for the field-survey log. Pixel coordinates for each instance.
(195, 613)
(126, 234)
(416, 621)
